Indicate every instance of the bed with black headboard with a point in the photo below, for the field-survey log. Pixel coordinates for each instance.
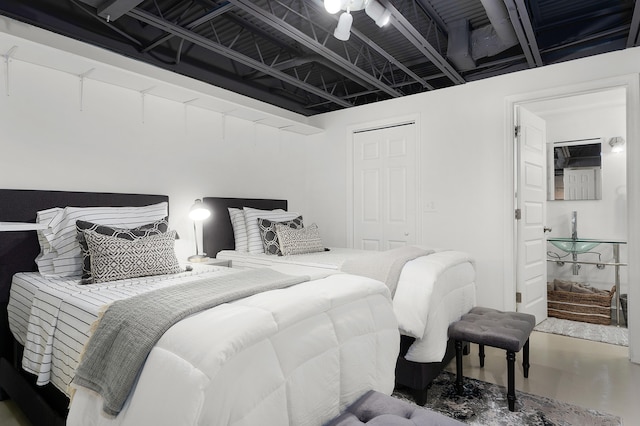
(256, 346)
(217, 230)
(18, 249)
(218, 237)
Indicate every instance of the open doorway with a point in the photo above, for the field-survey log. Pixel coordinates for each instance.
(629, 85)
(587, 200)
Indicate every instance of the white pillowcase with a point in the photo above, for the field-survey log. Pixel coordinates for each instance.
(251, 217)
(239, 229)
(61, 234)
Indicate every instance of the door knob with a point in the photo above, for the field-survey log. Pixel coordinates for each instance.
(546, 229)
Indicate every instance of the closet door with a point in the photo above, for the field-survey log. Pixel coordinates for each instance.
(384, 179)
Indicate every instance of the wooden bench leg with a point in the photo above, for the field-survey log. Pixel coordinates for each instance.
(459, 386)
(525, 358)
(511, 390)
(481, 355)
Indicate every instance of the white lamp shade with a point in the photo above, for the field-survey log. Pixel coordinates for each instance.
(199, 211)
(343, 30)
(378, 13)
(333, 6)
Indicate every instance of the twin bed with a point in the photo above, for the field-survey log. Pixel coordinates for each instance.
(236, 362)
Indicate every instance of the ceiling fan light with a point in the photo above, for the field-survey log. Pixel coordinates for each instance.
(333, 6)
(343, 30)
(378, 13)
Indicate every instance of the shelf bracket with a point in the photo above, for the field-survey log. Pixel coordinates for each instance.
(7, 59)
(143, 93)
(82, 77)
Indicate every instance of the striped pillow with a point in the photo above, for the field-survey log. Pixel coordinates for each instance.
(239, 229)
(62, 232)
(44, 260)
(251, 216)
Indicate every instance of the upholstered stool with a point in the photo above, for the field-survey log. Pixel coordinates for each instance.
(505, 330)
(377, 409)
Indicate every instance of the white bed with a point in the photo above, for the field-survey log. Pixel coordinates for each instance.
(433, 291)
(273, 350)
(292, 356)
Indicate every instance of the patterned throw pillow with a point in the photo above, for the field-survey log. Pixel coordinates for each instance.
(299, 241)
(114, 258)
(269, 236)
(251, 217)
(155, 228)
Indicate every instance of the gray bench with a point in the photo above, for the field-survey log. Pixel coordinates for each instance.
(505, 330)
(375, 408)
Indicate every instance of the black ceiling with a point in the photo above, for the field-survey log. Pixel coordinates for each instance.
(283, 51)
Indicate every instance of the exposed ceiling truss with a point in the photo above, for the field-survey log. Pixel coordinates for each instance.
(283, 51)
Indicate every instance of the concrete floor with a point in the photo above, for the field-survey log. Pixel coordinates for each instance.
(580, 372)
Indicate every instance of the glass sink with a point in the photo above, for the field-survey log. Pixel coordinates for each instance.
(577, 247)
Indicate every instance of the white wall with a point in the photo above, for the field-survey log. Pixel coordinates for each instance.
(47, 142)
(463, 157)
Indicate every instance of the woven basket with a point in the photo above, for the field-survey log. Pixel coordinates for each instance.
(592, 308)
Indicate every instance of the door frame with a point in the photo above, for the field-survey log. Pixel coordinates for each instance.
(631, 84)
(373, 125)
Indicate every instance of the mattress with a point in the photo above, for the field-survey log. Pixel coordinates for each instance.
(51, 317)
(433, 291)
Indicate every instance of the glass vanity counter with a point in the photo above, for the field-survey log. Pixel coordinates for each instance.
(584, 245)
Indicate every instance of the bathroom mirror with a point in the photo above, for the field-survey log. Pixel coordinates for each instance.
(575, 170)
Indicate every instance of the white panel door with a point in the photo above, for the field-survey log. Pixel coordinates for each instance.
(531, 268)
(579, 184)
(384, 179)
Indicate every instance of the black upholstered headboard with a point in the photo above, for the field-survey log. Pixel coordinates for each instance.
(217, 232)
(18, 249)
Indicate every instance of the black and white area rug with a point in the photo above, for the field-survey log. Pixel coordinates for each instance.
(486, 404)
(583, 330)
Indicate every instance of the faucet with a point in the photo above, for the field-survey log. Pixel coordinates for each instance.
(574, 237)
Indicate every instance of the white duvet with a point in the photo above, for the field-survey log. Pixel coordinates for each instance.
(296, 356)
(432, 292)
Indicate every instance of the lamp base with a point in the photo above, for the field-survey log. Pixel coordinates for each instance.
(196, 258)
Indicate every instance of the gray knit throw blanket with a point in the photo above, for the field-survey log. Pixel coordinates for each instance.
(129, 328)
(384, 266)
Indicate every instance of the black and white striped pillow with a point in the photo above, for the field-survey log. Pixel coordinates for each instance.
(239, 229)
(155, 228)
(61, 234)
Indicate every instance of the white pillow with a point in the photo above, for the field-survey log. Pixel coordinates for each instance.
(239, 229)
(61, 234)
(251, 216)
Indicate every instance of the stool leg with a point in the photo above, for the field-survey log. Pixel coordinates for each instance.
(481, 355)
(459, 386)
(511, 389)
(525, 359)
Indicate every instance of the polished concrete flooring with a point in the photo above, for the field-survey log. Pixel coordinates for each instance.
(590, 374)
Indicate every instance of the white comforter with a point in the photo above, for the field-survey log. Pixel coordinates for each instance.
(295, 356)
(433, 291)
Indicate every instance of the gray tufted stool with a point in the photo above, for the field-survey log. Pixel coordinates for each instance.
(505, 330)
(377, 409)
